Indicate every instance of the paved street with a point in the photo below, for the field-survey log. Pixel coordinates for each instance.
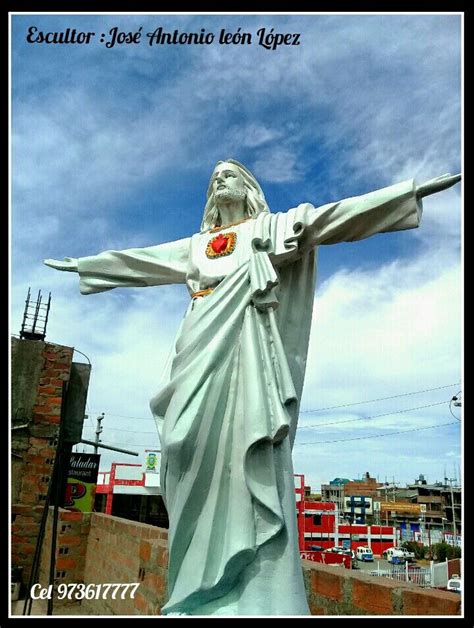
(370, 566)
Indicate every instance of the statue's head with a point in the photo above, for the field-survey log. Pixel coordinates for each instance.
(241, 186)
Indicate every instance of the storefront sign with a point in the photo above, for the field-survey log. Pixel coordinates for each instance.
(81, 482)
(151, 462)
(400, 507)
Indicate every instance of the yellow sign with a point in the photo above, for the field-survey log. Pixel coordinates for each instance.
(151, 462)
(400, 507)
(81, 482)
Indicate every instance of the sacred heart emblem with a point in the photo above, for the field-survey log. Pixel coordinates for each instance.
(222, 244)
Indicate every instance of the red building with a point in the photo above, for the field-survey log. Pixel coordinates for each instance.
(131, 491)
(319, 525)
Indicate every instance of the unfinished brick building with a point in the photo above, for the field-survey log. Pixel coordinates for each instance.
(38, 371)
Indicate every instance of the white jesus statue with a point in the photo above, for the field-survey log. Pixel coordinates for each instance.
(227, 414)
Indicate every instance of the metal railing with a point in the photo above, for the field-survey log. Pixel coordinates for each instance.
(436, 575)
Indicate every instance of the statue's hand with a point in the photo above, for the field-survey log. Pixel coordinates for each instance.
(69, 264)
(436, 185)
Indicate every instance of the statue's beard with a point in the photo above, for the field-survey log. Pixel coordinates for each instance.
(227, 195)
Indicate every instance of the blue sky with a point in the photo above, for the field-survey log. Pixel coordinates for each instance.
(113, 148)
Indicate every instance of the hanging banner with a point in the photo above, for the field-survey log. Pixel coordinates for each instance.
(401, 507)
(151, 461)
(81, 482)
(452, 539)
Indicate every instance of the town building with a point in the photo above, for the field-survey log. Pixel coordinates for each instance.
(320, 526)
(334, 492)
(354, 498)
(441, 504)
(419, 512)
(39, 370)
(131, 491)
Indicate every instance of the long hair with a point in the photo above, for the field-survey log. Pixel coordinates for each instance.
(255, 202)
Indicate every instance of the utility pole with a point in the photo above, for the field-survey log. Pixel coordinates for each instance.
(98, 431)
(452, 506)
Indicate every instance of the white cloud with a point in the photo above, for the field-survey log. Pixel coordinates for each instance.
(364, 101)
(254, 135)
(377, 334)
(452, 454)
(278, 165)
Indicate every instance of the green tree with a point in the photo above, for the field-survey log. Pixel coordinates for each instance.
(419, 550)
(443, 551)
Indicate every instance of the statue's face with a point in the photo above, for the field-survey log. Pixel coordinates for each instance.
(228, 182)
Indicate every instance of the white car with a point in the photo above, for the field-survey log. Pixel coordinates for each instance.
(337, 549)
(454, 584)
(349, 552)
(364, 553)
(399, 553)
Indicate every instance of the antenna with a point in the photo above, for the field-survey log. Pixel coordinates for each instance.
(35, 317)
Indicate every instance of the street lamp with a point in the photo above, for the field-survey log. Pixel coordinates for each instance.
(425, 526)
(429, 540)
(443, 519)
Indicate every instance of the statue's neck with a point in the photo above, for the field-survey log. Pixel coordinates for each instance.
(231, 212)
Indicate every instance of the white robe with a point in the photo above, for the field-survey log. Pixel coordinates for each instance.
(227, 416)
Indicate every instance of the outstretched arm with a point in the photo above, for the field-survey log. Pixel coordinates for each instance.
(394, 208)
(150, 266)
(68, 263)
(436, 185)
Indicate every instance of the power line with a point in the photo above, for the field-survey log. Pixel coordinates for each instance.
(124, 416)
(356, 403)
(119, 429)
(129, 444)
(345, 405)
(455, 399)
(375, 416)
(87, 358)
(342, 440)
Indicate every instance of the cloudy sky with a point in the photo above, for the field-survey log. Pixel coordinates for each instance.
(113, 147)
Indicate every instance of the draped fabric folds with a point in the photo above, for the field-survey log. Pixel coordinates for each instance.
(227, 415)
(229, 405)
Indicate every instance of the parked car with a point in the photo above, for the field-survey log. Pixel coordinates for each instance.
(454, 584)
(316, 548)
(398, 555)
(364, 553)
(349, 552)
(337, 549)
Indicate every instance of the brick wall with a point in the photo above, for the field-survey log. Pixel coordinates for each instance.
(42, 367)
(336, 591)
(122, 551)
(103, 549)
(71, 547)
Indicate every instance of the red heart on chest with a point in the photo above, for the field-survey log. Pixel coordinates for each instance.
(219, 244)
